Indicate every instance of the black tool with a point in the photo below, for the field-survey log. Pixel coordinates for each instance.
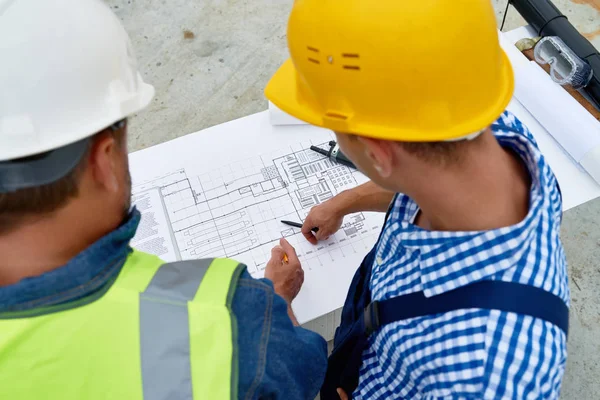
(335, 154)
(298, 225)
(547, 20)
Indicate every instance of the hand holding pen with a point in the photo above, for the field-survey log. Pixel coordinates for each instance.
(321, 222)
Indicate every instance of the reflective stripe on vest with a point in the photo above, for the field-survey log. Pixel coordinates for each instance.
(161, 331)
(169, 333)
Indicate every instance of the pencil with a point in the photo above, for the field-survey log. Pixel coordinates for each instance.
(285, 258)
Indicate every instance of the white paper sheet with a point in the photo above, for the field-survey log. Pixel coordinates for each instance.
(153, 234)
(577, 186)
(576, 130)
(591, 163)
(222, 192)
(280, 117)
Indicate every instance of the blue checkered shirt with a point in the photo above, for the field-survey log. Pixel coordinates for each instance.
(471, 353)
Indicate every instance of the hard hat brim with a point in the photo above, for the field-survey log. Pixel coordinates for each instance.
(282, 90)
(17, 175)
(58, 162)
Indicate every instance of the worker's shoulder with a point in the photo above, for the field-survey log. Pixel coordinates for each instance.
(508, 124)
(252, 296)
(248, 280)
(513, 133)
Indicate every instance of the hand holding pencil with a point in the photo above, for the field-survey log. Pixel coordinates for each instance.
(285, 271)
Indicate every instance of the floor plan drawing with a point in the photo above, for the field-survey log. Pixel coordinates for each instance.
(237, 212)
(223, 192)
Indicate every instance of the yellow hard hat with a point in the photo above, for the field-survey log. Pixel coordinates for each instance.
(428, 70)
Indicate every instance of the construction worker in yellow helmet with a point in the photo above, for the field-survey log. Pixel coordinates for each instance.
(83, 316)
(465, 294)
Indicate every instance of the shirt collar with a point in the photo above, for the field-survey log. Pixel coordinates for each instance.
(81, 276)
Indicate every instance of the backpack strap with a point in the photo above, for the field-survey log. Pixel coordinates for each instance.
(491, 295)
(346, 359)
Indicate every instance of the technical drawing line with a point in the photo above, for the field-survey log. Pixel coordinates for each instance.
(213, 219)
(170, 226)
(229, 213)
(215, 207)
(297, 179)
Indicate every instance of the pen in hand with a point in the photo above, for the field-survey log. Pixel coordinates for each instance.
(298, 225)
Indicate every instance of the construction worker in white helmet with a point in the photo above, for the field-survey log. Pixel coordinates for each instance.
(465, 294)
(82, 315)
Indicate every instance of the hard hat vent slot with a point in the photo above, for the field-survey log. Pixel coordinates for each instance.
(354, 56)
(336, 116)
(310, 57)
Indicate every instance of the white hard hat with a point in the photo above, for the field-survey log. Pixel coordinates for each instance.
(67, 71)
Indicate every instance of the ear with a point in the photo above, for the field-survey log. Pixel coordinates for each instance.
(104, 161)
(380, 153)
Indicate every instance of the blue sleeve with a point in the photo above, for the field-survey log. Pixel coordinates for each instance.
(275, 359)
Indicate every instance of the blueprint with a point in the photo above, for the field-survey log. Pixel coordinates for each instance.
(206, 207)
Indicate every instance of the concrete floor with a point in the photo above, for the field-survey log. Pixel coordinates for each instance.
(210, 60)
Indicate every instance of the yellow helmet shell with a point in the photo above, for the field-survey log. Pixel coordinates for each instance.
(427, 70)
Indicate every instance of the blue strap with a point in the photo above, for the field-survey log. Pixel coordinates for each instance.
(491, 295)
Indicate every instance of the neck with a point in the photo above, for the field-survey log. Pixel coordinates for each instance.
(489, 189)
(45, 243)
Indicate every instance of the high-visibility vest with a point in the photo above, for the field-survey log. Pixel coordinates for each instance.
(160, 331)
